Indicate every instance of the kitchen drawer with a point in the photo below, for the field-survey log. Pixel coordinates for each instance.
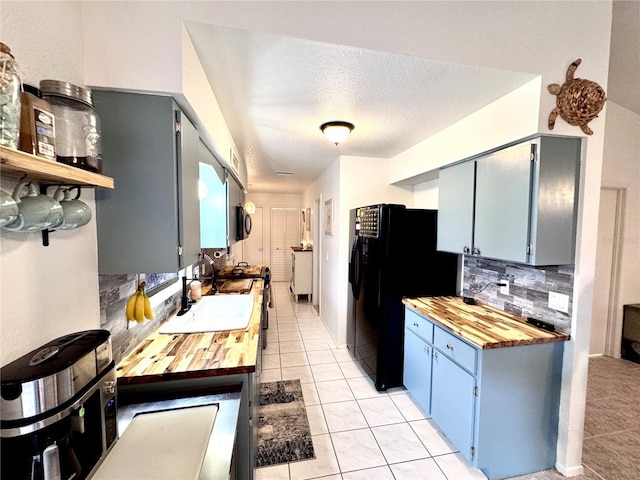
(458, 350)
(419, 325)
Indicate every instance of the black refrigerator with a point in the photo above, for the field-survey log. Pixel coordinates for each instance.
(393, 255)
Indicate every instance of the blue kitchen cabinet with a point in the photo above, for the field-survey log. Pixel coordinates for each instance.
(150, 221)
(453, 402)
(417, 369)
(517, 203)
(455, 208)
(498, 406)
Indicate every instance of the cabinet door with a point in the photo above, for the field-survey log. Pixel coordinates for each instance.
(417, 369)
(188, 200)
(137, 222)
(503, 193)
(213, 202)
(455, 208)
(453, 402)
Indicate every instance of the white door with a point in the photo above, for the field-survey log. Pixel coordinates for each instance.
(285, 233)
(254, 244)
(603, 321)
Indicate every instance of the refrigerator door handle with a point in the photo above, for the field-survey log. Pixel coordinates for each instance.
(354, 268)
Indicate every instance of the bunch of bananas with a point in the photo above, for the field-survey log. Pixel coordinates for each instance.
(139, 306)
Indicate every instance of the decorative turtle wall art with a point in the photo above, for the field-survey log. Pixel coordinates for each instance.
(579, 101)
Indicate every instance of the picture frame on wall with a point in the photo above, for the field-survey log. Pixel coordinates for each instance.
(308, 216)
(328, 217)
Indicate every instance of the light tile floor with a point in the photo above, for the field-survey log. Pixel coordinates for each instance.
(360, 433)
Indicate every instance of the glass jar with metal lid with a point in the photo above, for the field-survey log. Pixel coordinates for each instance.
(77, 125)
(9, 99)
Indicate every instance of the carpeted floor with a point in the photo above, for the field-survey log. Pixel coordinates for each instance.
(283, 428)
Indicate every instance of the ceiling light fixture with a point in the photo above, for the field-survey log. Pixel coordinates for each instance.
(336, 132)
(284, 173)
(250, 208)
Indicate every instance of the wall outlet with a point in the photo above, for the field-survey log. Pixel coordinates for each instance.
(504, 290)
(559, 301)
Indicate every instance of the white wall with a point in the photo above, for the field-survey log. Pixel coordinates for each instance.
(425, 195)
(49, 291)
(351, 182)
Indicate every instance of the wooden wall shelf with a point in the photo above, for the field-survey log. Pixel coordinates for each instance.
(14, 163)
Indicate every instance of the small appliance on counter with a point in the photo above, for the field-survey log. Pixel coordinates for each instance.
(58, 408)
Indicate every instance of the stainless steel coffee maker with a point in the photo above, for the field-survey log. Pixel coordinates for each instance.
(58, 409)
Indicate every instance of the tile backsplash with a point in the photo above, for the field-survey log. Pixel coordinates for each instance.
(529, 288)
(115, 291)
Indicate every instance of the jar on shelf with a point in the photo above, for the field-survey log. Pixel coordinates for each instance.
(78, 128)
(9, 99)
(37, 124)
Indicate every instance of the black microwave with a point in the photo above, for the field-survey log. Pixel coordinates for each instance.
(243, 223)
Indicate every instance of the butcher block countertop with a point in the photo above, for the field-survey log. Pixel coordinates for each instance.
(162, 357)
(482, 325)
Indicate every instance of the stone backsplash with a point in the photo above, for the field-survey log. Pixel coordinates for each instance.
(529, 288)
(115, 291)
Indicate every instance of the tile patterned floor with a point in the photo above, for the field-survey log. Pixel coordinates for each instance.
(360, 433)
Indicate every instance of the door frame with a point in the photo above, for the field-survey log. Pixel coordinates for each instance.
(317, 254)
(614, 323)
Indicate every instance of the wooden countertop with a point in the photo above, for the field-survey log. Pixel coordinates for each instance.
(162, 357)
(302, 249)
(482, 325)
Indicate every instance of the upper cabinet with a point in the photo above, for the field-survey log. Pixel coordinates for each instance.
(517, 204)
(151, 222)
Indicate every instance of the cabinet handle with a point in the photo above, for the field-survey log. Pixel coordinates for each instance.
(435, 354)
(476, 251)
(415, 325)
(465, 249)
(427, 349)
(449, 347)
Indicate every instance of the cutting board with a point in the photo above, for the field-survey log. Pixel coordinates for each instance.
(163, 445)
(241, 285)
(239, 271)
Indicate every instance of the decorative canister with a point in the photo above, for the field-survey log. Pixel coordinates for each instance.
(77, 125)
(9, 99)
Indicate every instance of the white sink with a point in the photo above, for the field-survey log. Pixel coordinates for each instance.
(213, 314)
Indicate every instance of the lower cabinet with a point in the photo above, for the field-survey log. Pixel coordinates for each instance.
(453, 402)
(417, 366)
(498, 406)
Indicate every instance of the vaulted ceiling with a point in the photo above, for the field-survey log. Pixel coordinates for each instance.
(276, 91)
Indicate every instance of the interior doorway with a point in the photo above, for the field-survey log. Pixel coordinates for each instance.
(285, 233)
(606, 323)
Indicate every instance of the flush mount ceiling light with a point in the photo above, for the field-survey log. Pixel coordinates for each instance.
(336, 132)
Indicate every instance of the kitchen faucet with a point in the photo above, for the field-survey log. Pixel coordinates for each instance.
(185, 302)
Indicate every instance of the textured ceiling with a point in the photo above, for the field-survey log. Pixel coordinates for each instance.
(276, 91)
